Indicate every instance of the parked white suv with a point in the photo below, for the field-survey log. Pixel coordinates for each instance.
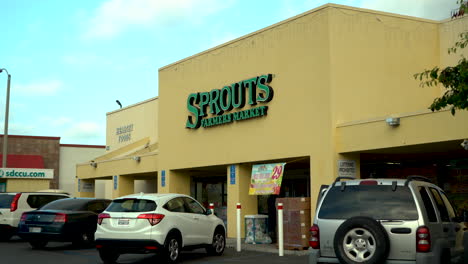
(13, 205)
(161, 223)
(388, 221)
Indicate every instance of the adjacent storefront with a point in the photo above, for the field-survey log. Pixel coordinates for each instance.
(37, 163)
(281, 111)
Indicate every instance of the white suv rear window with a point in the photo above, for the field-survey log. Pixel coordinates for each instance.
(5, 200)
(131, 205)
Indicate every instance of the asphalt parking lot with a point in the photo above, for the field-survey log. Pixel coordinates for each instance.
(18, 251)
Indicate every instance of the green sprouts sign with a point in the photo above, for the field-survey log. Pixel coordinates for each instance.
(219, 102)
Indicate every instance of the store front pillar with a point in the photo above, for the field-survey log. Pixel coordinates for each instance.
(238, 180)
(122, 185)
(86, 188)
(174, 182)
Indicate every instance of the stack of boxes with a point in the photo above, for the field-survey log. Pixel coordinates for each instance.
(296, 222)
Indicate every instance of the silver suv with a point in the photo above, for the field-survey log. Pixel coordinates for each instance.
(386, 221)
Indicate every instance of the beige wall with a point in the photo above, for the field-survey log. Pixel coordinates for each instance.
(373, 58)
(297, 124)
(449, 34)
(70, 156)
(132, 123)
(27, 185)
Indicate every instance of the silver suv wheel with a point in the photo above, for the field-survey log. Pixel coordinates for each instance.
(361, 240)
(359, 245)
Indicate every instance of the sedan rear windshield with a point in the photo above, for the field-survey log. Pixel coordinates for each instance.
(69, 204)
(131, 205)
(376, 201)
(5, 200)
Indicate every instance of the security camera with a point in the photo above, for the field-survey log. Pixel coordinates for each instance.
(464, 144)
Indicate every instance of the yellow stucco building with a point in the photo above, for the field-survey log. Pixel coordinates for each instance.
(329, 92)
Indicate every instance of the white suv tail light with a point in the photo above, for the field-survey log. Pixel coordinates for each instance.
(14, 203)
(153, 219)
(423, 239)
(314, 240)
(101, 217)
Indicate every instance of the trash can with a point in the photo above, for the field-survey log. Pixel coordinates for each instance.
(256, 229)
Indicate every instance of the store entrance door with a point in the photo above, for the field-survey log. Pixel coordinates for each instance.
(211, 190)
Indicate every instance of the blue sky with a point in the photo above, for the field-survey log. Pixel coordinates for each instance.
(70, 60)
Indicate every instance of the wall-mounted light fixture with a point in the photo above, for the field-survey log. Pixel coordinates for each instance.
(136, 158)
(93, 164)
(393, 121)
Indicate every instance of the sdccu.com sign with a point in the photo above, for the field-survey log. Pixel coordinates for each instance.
(27, 173)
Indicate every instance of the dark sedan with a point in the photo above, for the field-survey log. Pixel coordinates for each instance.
(66, 220)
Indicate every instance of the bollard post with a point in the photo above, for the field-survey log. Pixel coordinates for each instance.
(238, 227)
(280, 229)
(212, 208)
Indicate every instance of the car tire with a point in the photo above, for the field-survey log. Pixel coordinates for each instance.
(217, 245)
(6, 236)
(108, 256)
(86, 239)
(38, 244)
(361, 240)
(172, 248)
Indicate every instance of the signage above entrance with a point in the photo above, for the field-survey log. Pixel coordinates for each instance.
(220, 101)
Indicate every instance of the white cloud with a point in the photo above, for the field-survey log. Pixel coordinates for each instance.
(430, 9)
(19, 129)
(116, 16)
(41, 88)
(85, 132)
(61, 121)
(55, 122)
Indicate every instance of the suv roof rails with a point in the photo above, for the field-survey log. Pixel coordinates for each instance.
(416, 178)
(338, 179)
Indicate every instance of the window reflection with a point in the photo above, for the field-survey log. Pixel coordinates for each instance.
(378, 202)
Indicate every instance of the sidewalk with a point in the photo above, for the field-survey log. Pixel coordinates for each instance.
(270, 248)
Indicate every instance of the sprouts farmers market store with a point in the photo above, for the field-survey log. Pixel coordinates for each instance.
(324, 94)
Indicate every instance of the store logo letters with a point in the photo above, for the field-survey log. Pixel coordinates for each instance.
(252, 91)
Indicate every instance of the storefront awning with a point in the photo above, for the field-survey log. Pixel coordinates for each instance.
(136, 158)
(24, 161)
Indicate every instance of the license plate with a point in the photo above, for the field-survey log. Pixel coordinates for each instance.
(124, 222)
(35, 229)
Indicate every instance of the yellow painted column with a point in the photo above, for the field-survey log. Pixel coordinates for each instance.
(174, 182)
(321, 173)
(238, 181)
(122, 185)
(85, 188)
